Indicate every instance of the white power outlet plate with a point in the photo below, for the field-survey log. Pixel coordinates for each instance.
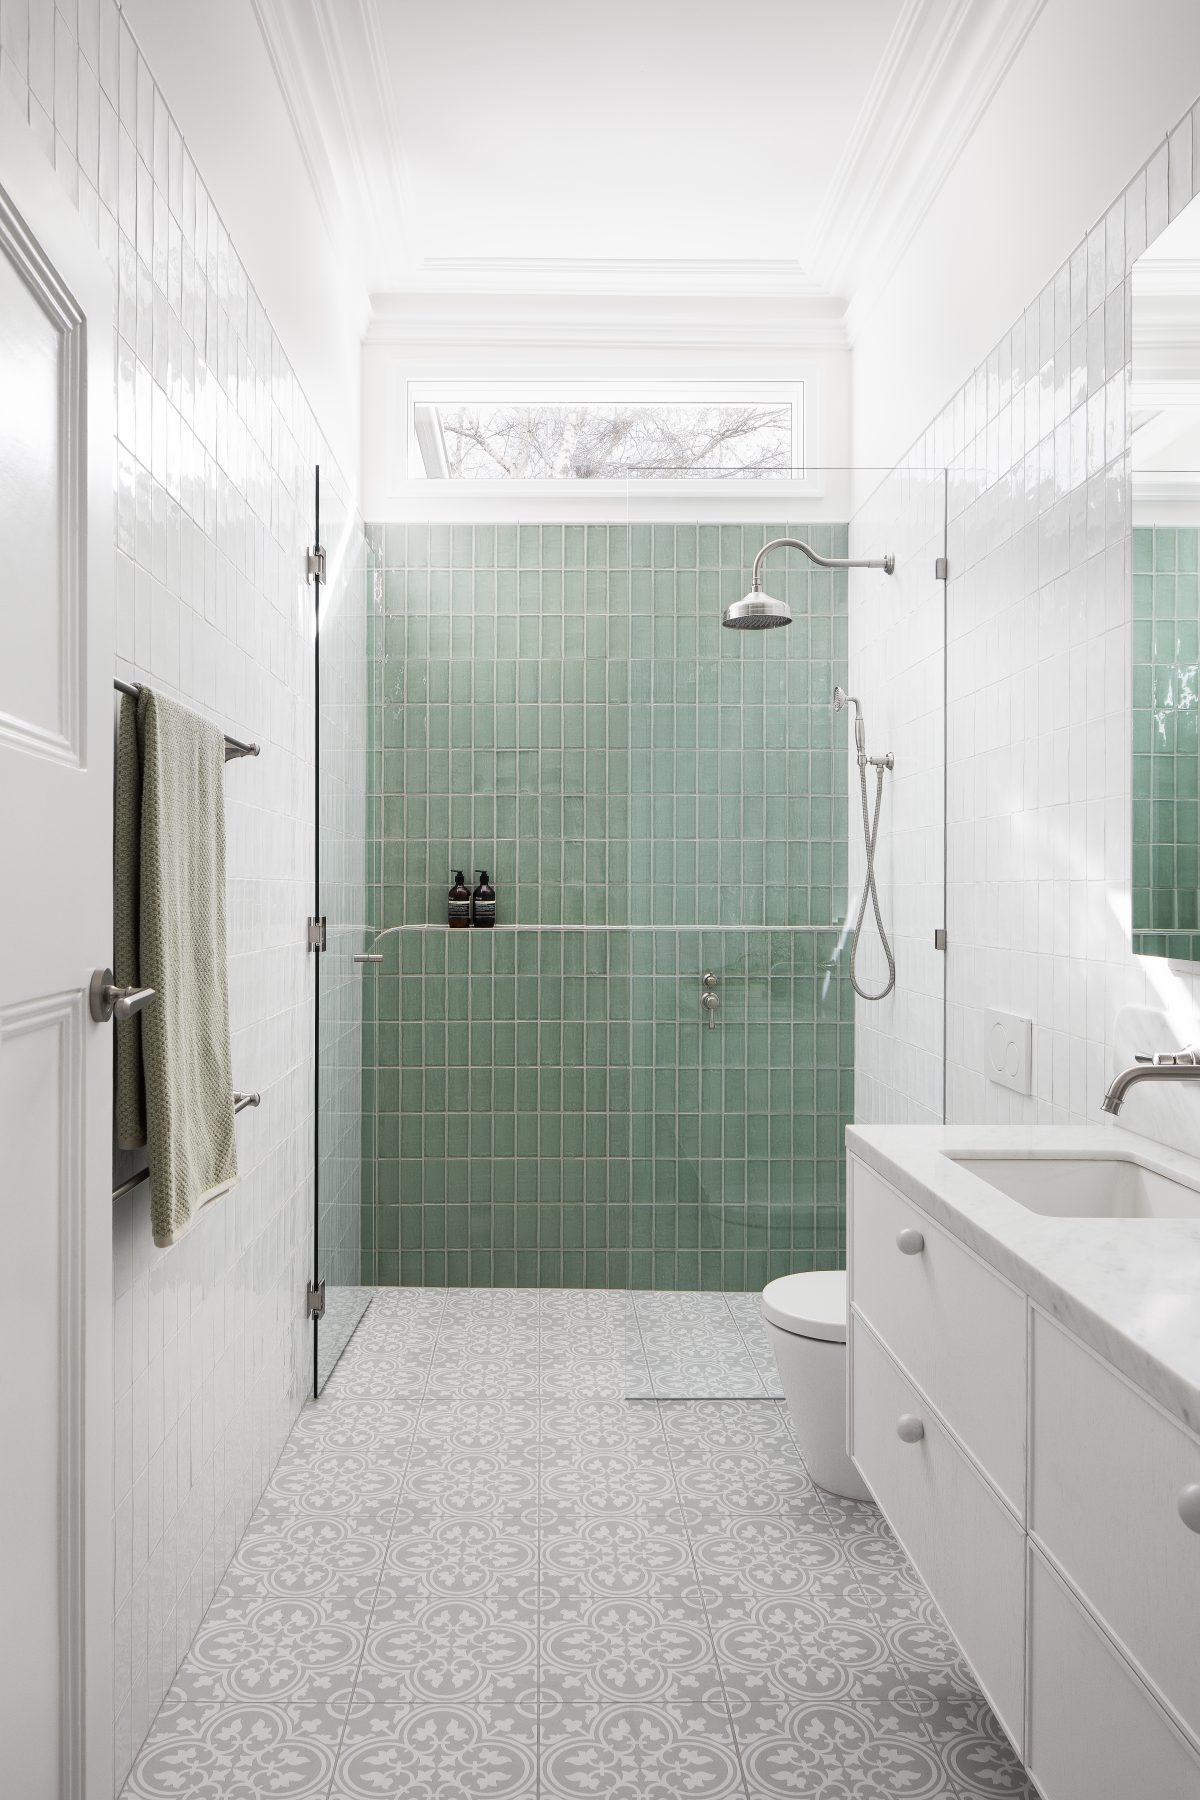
(1008, 1050)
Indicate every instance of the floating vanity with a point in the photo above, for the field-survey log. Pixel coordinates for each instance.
(1024, 1403)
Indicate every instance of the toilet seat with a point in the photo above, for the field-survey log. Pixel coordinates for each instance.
(810, 1305)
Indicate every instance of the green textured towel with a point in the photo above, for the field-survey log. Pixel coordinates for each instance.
(174, 1066)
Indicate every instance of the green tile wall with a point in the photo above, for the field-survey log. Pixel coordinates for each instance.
(661, 798)
(1166, 756)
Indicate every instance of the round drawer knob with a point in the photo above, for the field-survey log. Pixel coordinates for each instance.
(1189, 1505)
(909, 1428)
(910, 1242)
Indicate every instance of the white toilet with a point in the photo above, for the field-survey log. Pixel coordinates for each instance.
(806, 1323)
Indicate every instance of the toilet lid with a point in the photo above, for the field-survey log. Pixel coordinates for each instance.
(811, 1305)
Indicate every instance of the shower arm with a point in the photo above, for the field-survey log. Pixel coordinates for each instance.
(886, 563)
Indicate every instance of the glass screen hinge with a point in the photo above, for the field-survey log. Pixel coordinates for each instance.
(941, 569)
(314, 1300)
(315, 936)
(939, 937)
(314, 565)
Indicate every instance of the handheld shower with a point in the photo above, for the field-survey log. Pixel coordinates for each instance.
(841, 699)
(880, 764)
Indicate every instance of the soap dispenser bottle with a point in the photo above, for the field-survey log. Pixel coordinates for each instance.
(483, 901)
(458, 904)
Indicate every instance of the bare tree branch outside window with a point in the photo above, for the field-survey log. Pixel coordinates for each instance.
(514, 442)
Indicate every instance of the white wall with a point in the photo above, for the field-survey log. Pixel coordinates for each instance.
(1095, 86)
(212, 63)
(1037, 659)
(214, 479)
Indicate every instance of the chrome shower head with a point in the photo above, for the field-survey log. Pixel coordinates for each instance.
(756, 611)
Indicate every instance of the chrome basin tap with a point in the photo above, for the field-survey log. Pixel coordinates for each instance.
(1168, 1065)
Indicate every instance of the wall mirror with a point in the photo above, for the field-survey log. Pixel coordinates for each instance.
(1165, 474)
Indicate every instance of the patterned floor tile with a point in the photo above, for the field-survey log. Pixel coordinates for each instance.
(832, 1751)
(474, 1484)
(303, 1555)
(618, 1558)
(783, 1656)
(571, 1377)
(331, 1483)
(457, 1558)
(655, 1646)
(474, 1424)
(749, 1479)
(628, 1752)
(478, 1557)
(382, 1427)
(439, 1752)
(610, 1482)
(484, 1649)
(743, 1561)
(270, 1649)
(248, 1752)
(968, 1740)
(379, 1377)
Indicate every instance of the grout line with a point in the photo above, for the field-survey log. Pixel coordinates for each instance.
(733, 1736)
(420, 1401)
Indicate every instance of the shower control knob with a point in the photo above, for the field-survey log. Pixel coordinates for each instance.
(910, 1242)
(710, 1003)
(710, 980)
(909, 1428)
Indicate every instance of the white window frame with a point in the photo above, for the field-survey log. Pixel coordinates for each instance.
(800, 394)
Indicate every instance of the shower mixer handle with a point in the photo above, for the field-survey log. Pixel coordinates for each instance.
(710, 1002)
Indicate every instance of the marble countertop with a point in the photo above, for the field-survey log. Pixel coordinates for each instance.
(1128, 1287)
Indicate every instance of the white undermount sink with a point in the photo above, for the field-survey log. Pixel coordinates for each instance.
(1078, 1187)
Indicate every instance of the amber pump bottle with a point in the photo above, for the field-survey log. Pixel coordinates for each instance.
(458, 904)
(483, 902)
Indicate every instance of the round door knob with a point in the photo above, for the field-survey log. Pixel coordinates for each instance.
(910, 1241)
(909, 1428)
(1189, 1505)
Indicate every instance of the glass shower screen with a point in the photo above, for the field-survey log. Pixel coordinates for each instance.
(749, 1049)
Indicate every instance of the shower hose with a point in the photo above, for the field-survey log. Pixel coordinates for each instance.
(870, 834)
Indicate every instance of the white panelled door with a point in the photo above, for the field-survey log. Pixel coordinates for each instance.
(56, 760)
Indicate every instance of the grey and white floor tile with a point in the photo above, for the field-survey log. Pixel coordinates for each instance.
(484, 1567)
(438, 1752)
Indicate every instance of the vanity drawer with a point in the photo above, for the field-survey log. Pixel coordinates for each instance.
(1093, 1728)
(1107, 1468)
(954, 1324)
(969, 1549)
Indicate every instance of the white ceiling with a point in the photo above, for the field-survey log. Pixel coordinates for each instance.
(666, 146)
(683, 129)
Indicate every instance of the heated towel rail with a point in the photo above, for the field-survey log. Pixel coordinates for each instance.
(240, 1103)
(234, 747)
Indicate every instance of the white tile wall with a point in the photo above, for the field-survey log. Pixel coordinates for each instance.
(1038, 816)
(213, 470)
